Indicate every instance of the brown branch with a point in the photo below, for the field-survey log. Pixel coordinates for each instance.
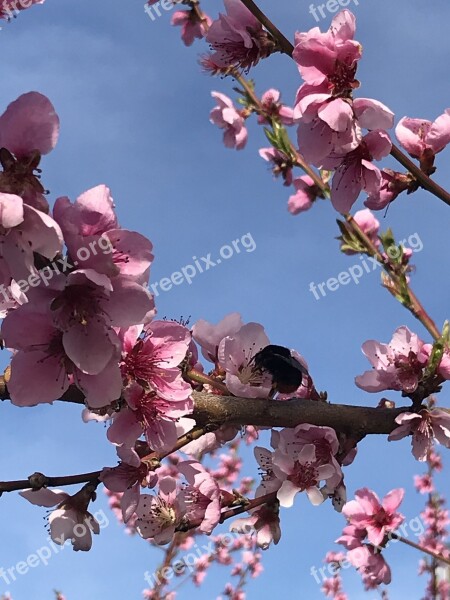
(358, 421)
(211, 409)
(422, 179)
(31, 482)
(284, 44)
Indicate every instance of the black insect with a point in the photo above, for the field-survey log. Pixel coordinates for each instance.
(287, 373)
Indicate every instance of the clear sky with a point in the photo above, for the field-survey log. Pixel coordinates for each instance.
(134, 111)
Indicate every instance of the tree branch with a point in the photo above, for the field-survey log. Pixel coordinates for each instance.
(212, 409)
(358, 421)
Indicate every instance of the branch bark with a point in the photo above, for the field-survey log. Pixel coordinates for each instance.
(357, 421)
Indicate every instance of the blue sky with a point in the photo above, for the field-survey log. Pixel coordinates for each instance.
(134, 112)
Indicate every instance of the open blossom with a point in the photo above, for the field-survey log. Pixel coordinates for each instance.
(317, 141)
(371, 565)
(201, 496)
(155, 393)
(92, 234)
(192, 26)
(152, 360)
(273, 108)
(264, 520)
(158, 516)
(71, 519)
(236, 357)
(127, 478)
(423, 139)
(377, 518)
(356, 171)
(24, 231)
(29, 127)
(86, 306)
(291, 444)
(149, 414)
(41, 369)
(300, 474)
(321, 56)
(398, 365)
(228, 118)
(391, 185)
(237, 38)
(426, 427)
(330, 121)
(209, 336)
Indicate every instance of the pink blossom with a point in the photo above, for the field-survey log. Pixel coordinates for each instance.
(321, 56)
(269, 481)
(367, 222)
(357, 172)
(158, 516)
(282, 163)
(305, 195)
(153, 360)
(149, 414)
(238, 38)
(29, 124)
(264, 520)
(28, 128)
(377, 519)
(86, 306)
(424, 483)
(274, 109)
(398, 365)
(317, 140)
(299, 474)
(209, 336)
(230, 120)
(71, 519)
(92, 234)
(128, 478)
(191, 25)
(41, 370)
(291, 442)
(392, 184)
(425, 427)
(201, 496)
(420, 137)
(371, 564)
(24, 232)
(330, 120)
(236, 354)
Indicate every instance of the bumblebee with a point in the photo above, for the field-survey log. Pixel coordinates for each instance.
(286, 371)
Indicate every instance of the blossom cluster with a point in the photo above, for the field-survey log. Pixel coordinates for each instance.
(336, 132)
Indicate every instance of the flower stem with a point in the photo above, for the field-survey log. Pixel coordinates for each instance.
(198, 377)
(284, 44)
(424, 181)
(414, 305)
(438, 557)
